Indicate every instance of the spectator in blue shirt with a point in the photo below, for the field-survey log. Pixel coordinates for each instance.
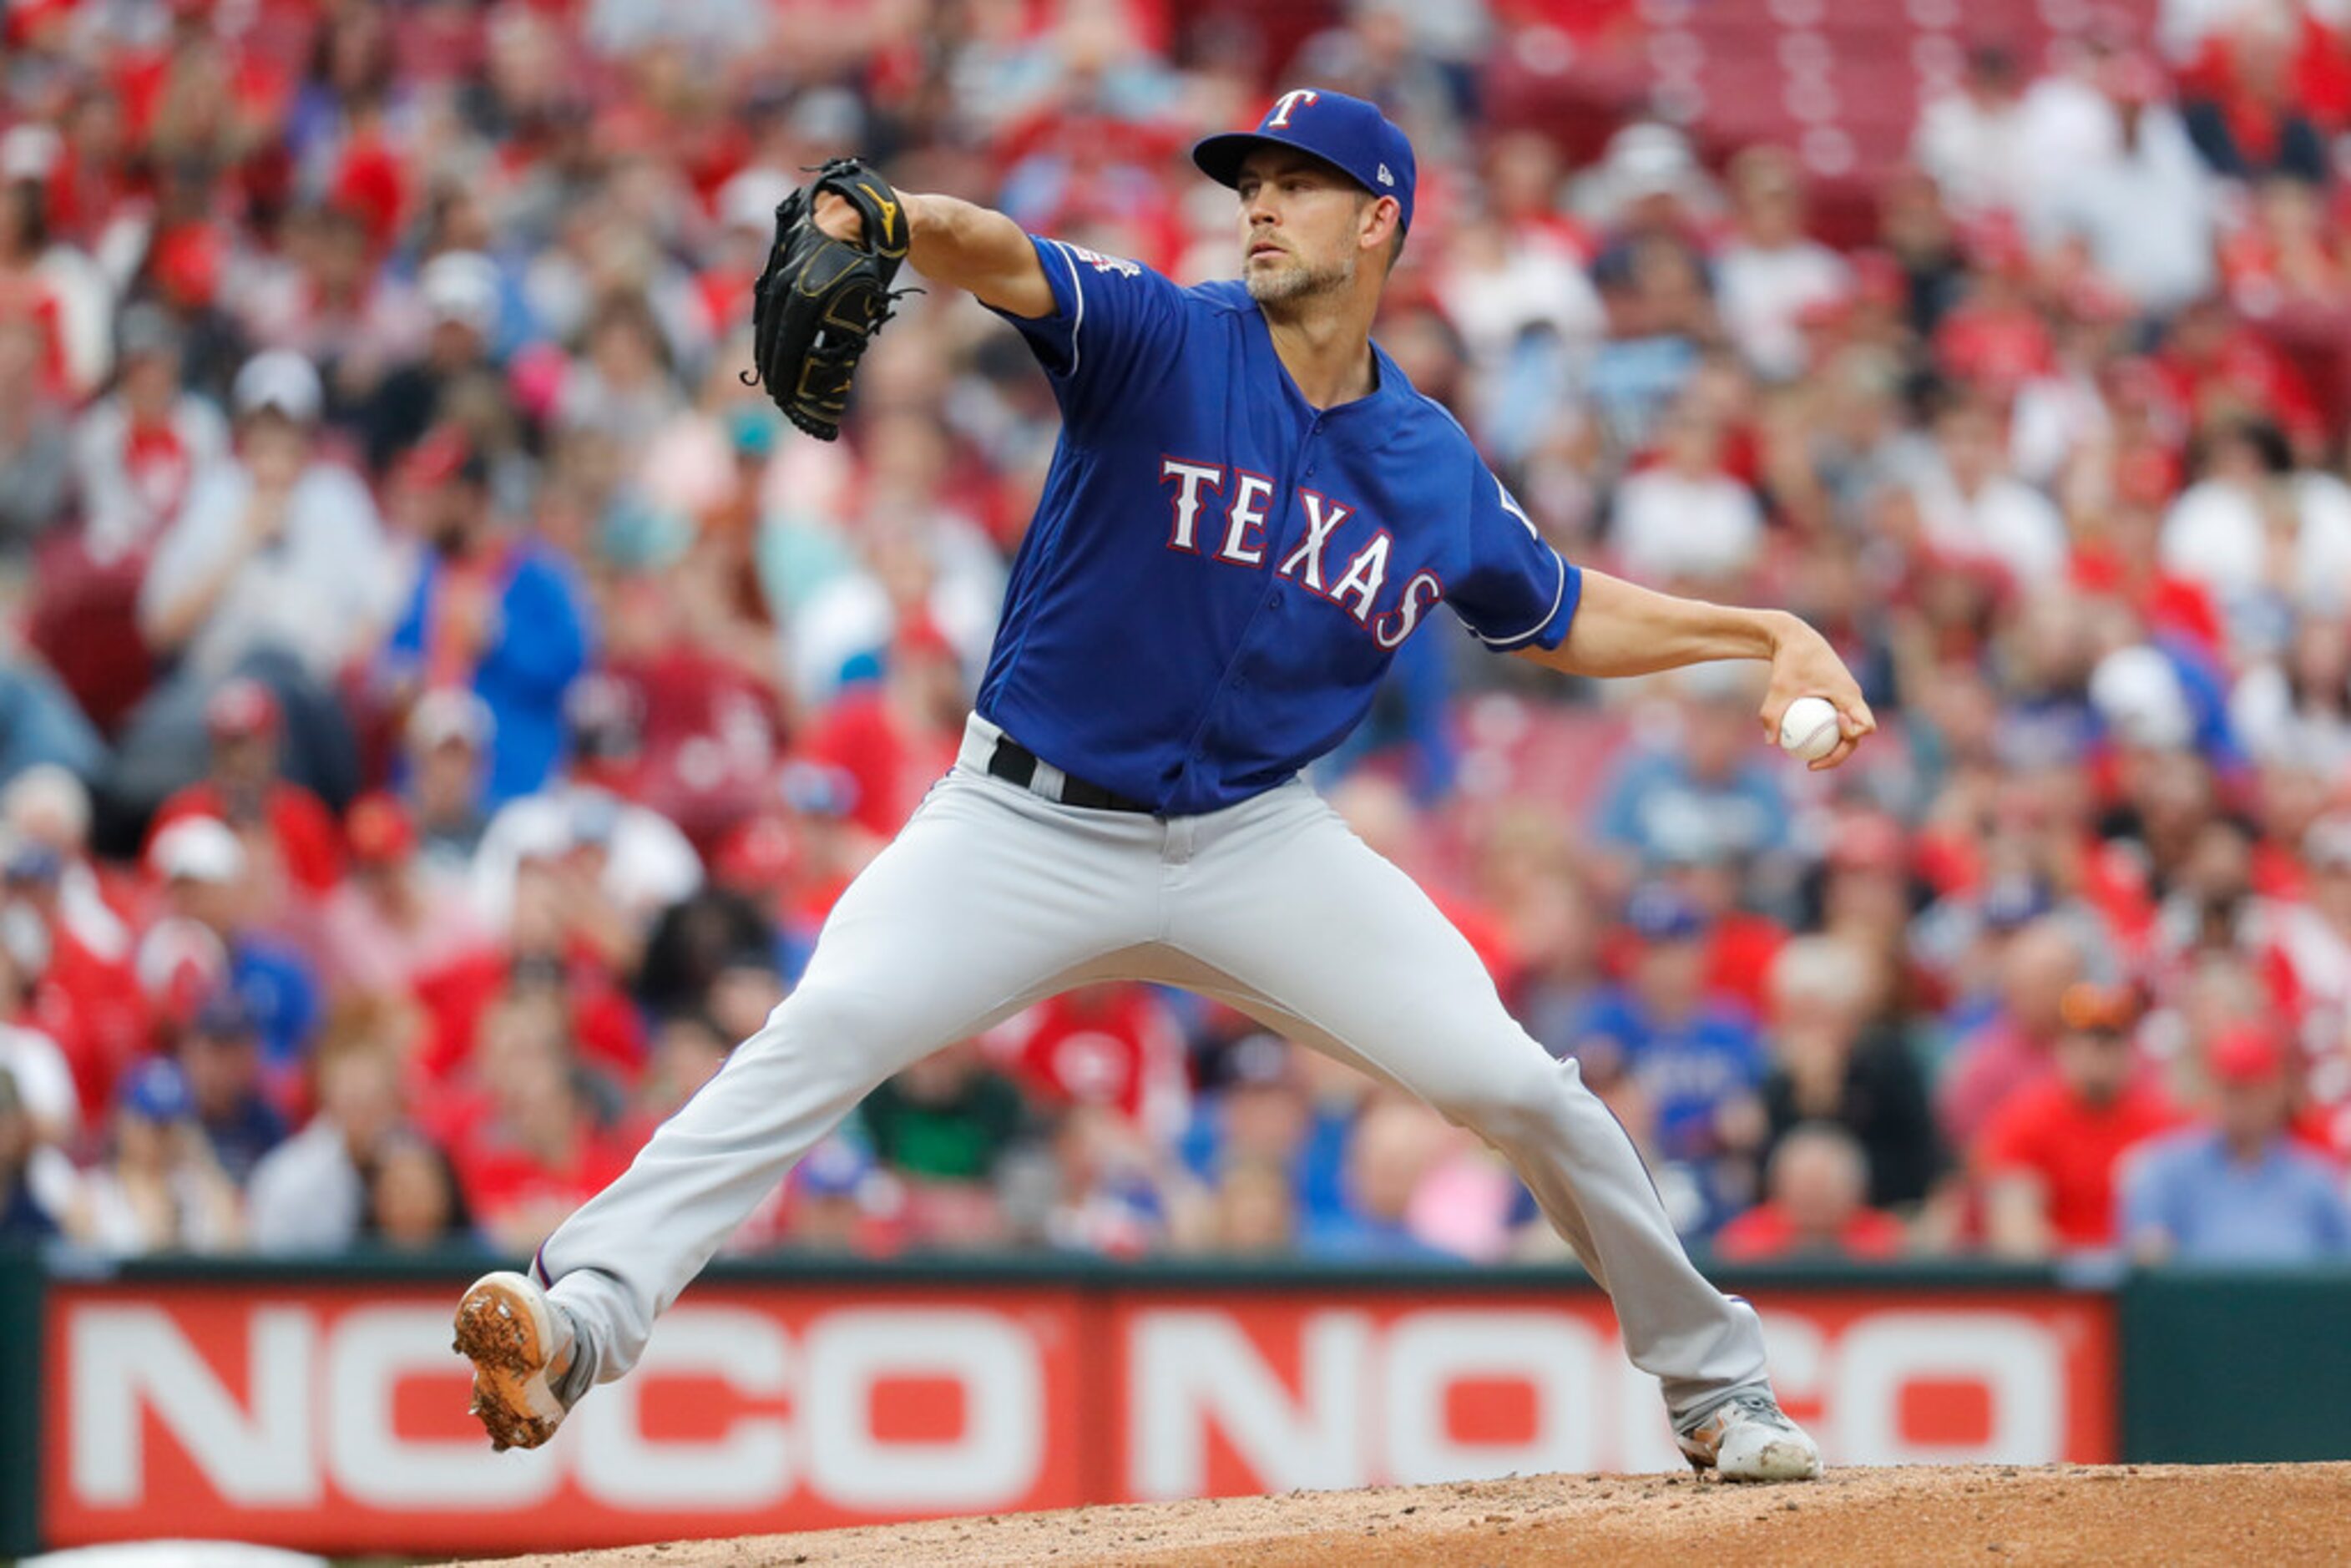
(1694, 1058)
(39, 722)
(1257, 1109)
(1393, 1144)
(1712, 786)
(207, 936)
(2236, 1188)
(494, 610)
(220, 1051)
(23, 1216)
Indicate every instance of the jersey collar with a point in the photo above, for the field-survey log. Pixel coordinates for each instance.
(1386, 378)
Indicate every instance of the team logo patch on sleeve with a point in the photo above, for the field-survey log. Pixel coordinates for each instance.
(1102, 263)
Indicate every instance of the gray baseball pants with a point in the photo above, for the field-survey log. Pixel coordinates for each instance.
(995, 897)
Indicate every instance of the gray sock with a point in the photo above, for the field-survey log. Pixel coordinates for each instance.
(581, 1375)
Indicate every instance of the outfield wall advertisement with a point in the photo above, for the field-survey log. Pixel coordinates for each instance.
(332, 1416)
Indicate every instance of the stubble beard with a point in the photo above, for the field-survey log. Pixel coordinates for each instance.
(1291, 284)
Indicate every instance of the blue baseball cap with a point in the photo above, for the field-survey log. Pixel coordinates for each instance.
(224, 1015)
(836, 1167)
(1346, 132)
(157, 1090)
(26, 860)
(1659, 912)
(815, 789)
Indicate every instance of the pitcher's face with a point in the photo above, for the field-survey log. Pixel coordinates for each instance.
(1301, 223)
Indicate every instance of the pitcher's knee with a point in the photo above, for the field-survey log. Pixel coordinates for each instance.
(1507, 1100)
(818, 1020)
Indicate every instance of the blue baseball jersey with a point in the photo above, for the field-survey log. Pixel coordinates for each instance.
(1219, 572)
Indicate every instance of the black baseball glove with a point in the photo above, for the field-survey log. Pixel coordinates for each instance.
(820, 300)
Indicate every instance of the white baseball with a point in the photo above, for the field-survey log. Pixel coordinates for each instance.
(1808, 730)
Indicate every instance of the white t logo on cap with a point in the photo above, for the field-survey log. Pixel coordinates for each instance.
(1280, 118)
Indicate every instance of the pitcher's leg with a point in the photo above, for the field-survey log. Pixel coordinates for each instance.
(983, 902)
(1346, 948)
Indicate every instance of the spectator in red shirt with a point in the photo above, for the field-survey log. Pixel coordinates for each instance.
(2040, 964)
(538, 1152)
(1110, 1045)
(796, 859)
(137, 455)
(745, 208)
(29, 296)
(2285, 266)
(895, 737)
(287, 831)
(1740, 944)
(2047, 1160)
(47, 807)
(2120, 569)
(86, 998)
(1996, 337)
(1814, 1205)
(2241, 107)
(700, 730)
(555, 946)
(390, 921)
(138, 452)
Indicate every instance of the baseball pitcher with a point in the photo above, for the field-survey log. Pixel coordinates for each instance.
(1248, 512)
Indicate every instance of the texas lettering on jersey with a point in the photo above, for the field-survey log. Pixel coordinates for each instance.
(1220, 572)
(1355, 588)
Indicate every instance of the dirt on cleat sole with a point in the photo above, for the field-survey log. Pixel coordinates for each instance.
(499, 1345)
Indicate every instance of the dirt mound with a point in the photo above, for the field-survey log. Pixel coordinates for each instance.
(1979, 1514)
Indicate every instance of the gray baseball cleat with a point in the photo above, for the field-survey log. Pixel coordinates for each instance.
(1748, 1439)
(520, 1344)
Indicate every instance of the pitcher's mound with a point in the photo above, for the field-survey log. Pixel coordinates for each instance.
(1868, 1518)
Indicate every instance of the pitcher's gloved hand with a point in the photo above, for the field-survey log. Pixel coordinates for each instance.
(822, 298)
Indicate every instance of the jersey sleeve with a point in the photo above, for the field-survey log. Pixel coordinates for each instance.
(1520, 593)
(1112, 320)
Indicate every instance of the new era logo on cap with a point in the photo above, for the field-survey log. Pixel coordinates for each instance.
(1344, 131)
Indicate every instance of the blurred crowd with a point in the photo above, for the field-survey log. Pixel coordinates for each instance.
(439, 702)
